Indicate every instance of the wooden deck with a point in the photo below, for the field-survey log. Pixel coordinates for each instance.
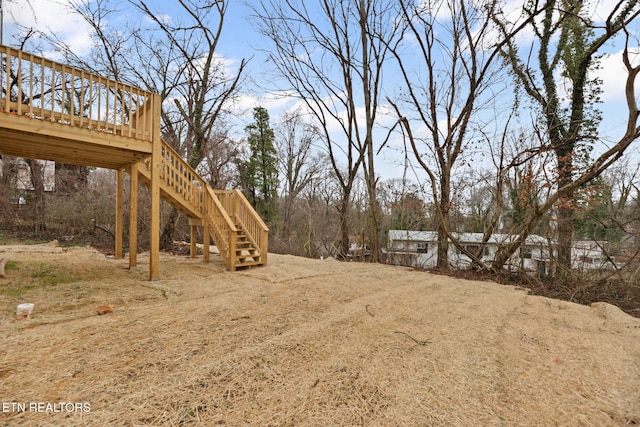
(51, 111)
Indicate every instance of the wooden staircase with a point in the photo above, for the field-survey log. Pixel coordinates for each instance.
(236, 228)
(247, 253)
(242, 233)
(52, 111)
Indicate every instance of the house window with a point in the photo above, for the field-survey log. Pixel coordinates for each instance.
(422, 248)
(526, 253)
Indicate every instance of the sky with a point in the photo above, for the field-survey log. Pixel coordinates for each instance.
(241, 40)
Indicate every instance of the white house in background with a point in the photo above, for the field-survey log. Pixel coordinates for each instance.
(589, 255)
(22, 175)
(420, 249)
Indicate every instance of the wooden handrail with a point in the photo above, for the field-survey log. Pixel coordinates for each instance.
(222, 227)
(234, 201)
(180, 180)
(43, 89)
(224, 210)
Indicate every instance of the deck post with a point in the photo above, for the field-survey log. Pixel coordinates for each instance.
(156, 159)
(206, 238)
(119, 213)
(133, 216)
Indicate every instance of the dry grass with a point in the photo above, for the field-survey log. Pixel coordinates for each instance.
(305, 342)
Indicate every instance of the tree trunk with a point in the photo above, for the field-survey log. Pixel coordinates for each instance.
(443, 241)
(565, 152)
(565, 237)
(374, 227)
(6, 189)
(71, 179)
(166, 238)
(343, 227)
(37, 180)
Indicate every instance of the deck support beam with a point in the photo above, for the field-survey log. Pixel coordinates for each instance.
(206, 238)
(156, 159)
(133, 216)
(119, 213)
(195, 223)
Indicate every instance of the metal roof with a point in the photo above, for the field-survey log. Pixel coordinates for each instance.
(463, 238)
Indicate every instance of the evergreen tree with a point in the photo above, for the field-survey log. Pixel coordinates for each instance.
(258, 171)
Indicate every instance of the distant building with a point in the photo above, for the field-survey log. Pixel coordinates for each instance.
(358, 248)
(18, 204)
(420, 249)
(590, 255)
(22, 174)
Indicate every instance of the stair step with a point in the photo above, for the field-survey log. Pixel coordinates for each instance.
(244, 253)
(249, 264)
(249, 249)
(247, 256)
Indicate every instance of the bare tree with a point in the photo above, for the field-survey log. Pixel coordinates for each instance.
(218, 164)
(331, 54)
(298, 163)
(568, 43)
(445, 92)
(175, 58)
(193, 77)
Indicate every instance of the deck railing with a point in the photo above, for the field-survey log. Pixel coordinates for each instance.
(43, 89)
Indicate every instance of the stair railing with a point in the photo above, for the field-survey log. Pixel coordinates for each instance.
(246, 217)
(182, 179)
(224, 210)
(182, 185)
(222, 228)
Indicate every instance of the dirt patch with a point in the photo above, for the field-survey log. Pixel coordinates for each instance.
(303, 342)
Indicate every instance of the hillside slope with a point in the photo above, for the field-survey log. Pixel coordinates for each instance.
(301, 342)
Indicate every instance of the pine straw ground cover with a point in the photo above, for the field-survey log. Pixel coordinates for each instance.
(302, 342)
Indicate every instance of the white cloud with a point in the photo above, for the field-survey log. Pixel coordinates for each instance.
(614, 75)
(276, 103)
(279, 101)
(49, 16)
(599, 11)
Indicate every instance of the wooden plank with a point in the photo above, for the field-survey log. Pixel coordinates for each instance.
(206, 238)
(19, 79)
(169, 194)
(106, 160)
(119, 213)
(62, 131)
(133, 216)
(44, 148)
(156, 158)
(7, 83)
